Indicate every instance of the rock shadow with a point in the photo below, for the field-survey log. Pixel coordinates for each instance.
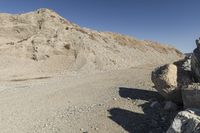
(27, 79)
(141, 94)
(153, 120)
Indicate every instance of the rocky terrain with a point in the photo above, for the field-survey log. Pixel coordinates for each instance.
(179, 82)
(57, 77)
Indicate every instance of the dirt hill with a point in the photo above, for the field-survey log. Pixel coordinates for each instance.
(43, 41)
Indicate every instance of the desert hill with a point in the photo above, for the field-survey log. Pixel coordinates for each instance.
(43, 40)
(56, 77)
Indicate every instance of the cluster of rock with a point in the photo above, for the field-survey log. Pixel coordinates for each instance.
(180, 82)
(187, 121)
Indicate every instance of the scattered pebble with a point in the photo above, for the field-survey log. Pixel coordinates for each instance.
(101, 104)
(115, 99)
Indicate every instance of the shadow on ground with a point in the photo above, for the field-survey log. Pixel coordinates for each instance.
(153, 120)
(27, 79)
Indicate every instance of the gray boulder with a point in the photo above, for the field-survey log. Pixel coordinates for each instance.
(187, 64)
(184, 74)
(187, 121)
(195, 62)
(191, 95)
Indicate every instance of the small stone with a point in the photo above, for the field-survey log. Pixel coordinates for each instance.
(96, 128)
(170, 106)
(128, 98)
(100, 104)
(115, 99)
(45, 125)
(81, 129)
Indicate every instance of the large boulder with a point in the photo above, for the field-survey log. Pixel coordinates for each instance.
(187, 121)
(195, 62)
(165, 81)
(191, 96)
(184, 74)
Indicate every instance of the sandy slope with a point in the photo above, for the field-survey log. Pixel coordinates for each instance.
(46, 42)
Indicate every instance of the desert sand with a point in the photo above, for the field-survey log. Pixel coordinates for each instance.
(57, 77)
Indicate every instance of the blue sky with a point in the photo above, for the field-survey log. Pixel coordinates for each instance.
(173, 22)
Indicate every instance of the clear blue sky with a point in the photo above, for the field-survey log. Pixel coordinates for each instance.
(174, 22)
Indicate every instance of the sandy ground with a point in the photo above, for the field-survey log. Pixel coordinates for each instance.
(110, 102)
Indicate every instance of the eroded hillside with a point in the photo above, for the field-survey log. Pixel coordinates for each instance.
(45, 40)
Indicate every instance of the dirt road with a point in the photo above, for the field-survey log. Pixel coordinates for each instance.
(116, 101)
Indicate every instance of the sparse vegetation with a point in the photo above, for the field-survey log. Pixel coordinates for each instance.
(10, 43)
(40, 22)
(67, 46)
(67, 28)
(52, 16)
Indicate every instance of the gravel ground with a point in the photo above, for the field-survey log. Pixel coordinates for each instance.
(117, 101)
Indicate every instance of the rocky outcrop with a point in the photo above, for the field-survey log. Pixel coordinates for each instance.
(188, 86)
(187, 121)
(180, 76)
(195, 61)
(184, 74)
